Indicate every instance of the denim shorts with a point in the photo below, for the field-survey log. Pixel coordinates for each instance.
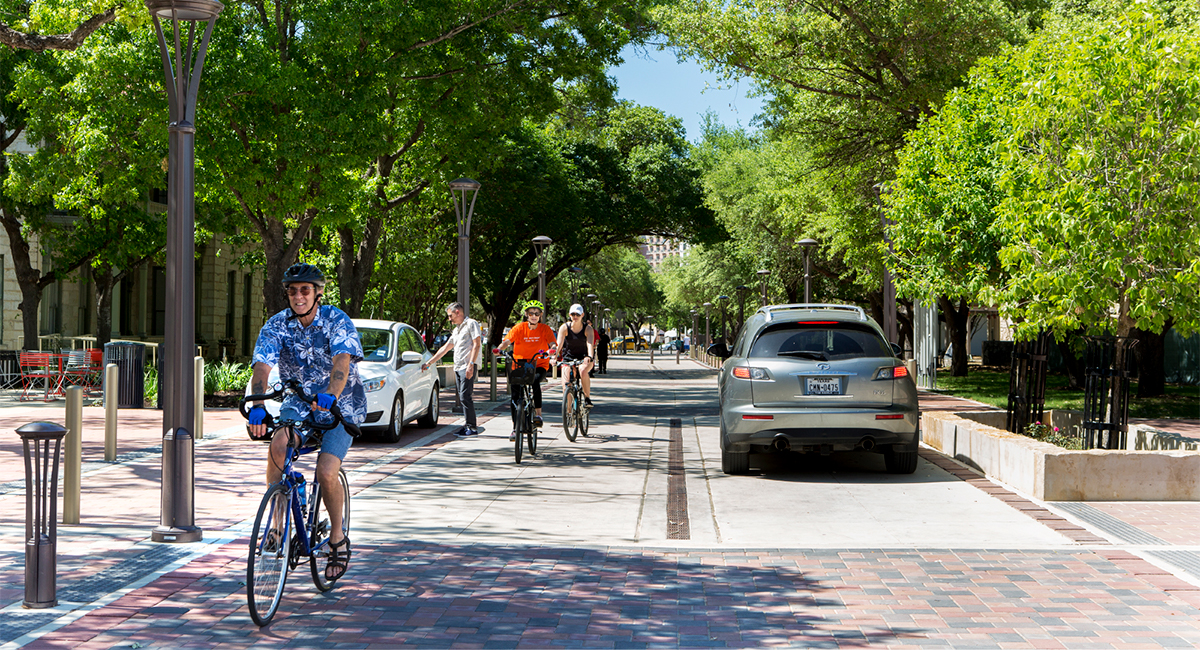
(336, 441)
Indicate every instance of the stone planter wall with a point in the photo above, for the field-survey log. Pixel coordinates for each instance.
(1051, 473)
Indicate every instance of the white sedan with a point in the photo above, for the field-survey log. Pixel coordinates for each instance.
(398, 391)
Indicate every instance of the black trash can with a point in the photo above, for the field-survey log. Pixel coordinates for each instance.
(131, 360)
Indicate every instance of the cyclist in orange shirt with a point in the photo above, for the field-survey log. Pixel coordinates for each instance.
(527, 338)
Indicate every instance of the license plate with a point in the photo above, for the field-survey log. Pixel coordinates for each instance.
(823, 385)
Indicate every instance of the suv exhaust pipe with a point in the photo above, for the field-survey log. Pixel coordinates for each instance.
(780, 443)
(867, 443)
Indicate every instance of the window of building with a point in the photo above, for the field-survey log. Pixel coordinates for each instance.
(158, 308)
(230, 299)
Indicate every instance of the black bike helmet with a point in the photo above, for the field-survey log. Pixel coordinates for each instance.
(302, 272)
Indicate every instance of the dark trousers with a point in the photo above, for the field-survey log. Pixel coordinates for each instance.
(602, 363)
(537, 396)
(466, 395)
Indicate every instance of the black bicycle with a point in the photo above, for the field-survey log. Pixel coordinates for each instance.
(574, 413)
(289, 506)
(522, 376)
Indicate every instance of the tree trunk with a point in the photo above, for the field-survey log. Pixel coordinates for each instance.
(958, 319)
(102, 275)
(1075, 368)
(27, 279)
(1149, 354)
(281, 252)
(355, 265)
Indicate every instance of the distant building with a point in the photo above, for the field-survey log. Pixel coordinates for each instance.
(656, 249)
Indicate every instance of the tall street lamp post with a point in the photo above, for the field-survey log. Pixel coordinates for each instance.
(182, 80)
(724, 300)
(807, 245)
(762, 281)
(539, 245)
(460, 189)
(742, 290)
(695, 342)
(707, 325)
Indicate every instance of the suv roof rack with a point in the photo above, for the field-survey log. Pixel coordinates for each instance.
(768, 310)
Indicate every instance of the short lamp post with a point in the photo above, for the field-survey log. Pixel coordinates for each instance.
(574, 272)
(182, 80)
(460, 190)
(762, 282)
(539, 245)
(807, 245)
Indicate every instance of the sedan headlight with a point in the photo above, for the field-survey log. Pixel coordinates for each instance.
(372, 385)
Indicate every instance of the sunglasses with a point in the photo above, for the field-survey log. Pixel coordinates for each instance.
(533, 312)
(576, 315)
(303, 291)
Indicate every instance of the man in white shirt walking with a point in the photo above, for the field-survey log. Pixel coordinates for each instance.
(465, 340)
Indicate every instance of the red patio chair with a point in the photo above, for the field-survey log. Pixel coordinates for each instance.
(40, 374)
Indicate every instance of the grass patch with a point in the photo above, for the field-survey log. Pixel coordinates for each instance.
(991, 387)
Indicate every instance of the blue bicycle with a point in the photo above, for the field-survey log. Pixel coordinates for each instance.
(291, 506)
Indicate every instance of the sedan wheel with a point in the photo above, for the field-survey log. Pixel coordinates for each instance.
(396, 426)
(430, 419)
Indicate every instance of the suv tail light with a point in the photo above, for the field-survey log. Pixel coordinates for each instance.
(753, 374)
(892, 373)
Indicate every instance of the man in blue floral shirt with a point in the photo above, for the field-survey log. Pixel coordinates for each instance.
(319, 347)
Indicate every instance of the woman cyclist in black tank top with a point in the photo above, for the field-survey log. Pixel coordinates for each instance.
(577, 341)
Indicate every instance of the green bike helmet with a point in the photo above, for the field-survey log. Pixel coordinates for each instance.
(532, 304)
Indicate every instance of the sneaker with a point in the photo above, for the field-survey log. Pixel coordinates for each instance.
(512, 437)
(469, 431)
(537, 421)
(587, 402)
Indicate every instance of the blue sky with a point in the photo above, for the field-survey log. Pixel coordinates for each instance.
(654, 78)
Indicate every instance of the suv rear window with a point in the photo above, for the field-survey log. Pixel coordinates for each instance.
(821, 341)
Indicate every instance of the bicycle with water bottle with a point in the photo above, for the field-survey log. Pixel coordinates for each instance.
(290, 527)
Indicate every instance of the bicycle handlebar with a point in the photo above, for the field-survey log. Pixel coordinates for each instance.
(295, 387)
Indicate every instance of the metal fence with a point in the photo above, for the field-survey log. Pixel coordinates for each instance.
(1107, 360)
(926, 344)
(1027, 383)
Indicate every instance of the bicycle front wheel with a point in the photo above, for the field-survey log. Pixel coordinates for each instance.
(581, 421)
(320, 526)
(270, 549)
(568, 413)
(520, 431)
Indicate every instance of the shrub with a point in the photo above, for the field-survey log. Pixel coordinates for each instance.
(1053, 435)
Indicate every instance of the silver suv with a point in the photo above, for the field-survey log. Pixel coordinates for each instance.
(815, 378)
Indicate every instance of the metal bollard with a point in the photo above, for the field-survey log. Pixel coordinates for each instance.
(41, 518)
(651, 356)
(198, 427)
(111, 383)
(678, 350)
(492, 362)
(73, 464)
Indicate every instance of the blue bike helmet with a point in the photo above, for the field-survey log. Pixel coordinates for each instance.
(303, 272)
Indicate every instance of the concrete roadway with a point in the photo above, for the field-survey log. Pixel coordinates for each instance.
(611, 488)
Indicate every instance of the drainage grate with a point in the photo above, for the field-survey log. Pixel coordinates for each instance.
(677, 511)
(1187, 560)
(1109, 524)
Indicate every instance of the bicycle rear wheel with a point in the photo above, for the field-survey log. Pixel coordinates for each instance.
(520, 431)
(270, 548)
(568, 412)
(531, 438)
(320, 530)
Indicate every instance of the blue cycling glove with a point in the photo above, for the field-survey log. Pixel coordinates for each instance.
(257, 415)
(325, 400)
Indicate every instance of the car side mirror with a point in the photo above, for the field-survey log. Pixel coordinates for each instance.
(897, 350)
(719, 350)
(408, 356)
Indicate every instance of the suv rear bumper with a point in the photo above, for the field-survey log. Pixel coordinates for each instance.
(819, 430)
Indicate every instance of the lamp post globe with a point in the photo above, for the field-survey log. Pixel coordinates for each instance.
(460, 190)
(539, 245)
(183, 64)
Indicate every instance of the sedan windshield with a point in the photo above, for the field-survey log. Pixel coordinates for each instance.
(377, 344)
(820, 342)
